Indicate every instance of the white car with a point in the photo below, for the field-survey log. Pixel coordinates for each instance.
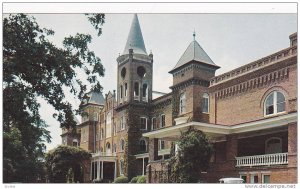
(231, 180)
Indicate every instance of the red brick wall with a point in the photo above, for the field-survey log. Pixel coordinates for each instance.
(247, 105)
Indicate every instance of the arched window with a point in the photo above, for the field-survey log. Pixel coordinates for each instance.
(143, 145)
(108, 147)
(122, 145)
(205, 103)
(274, 103)
(121, 92)
(182, 102)
(136, 90)
(145, 92)
(125, 91)
(273, 145)
(75, 142)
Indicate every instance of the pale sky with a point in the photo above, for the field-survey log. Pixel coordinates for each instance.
(231, 40)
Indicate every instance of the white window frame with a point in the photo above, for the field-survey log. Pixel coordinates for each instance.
(263, 178)
(204, 97)
(144, 129)
(160, 144)
(182, 103)
(274, 103)
(152, 125)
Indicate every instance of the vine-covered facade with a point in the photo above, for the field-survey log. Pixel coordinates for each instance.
(249, 115)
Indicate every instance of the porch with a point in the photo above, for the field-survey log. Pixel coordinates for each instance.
(264, 143)
(103, 166)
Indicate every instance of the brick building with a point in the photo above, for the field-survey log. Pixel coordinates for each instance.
(249, 115)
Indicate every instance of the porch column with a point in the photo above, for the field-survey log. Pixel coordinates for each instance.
(292, 145)
(101, 169)
(153, 149)
(143, 166)
(98, 170)
(231, 150)
(91, 172)
(115, 174)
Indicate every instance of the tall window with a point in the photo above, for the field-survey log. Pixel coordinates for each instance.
(125, 91)
(122, 123)
(121, 167)
(108, 149)
(136, 89)
(143, 122)
(161, 144)
(275, 103)
(145, 92)
(121, 92)
(162, 120)
(143, 145)
(122, 145)
(108, 125)
(153, 126)
(205, 103)
(182, 102)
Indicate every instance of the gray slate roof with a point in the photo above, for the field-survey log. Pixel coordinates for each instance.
(95, 98)
(196, 53)
(135, 39)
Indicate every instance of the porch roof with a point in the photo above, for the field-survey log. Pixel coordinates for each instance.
(213, 130)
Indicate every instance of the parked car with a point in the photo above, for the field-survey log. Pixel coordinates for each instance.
(231, 180)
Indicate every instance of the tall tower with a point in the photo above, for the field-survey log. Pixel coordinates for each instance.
(134, 94)
(135, 68)
(191, 76)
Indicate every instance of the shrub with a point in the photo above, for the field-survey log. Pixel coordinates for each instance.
(121, 179)
(141, 179)
(134, 179)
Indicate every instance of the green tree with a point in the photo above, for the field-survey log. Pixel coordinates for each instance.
(34, 67)
(193, 157)
(66, 162)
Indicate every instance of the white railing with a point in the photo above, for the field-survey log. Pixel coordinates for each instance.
(260, 160)
(145, 99)
(104, 154)
(136, 98)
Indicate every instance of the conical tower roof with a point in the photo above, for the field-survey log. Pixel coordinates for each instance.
(135, 39)
(194, 52)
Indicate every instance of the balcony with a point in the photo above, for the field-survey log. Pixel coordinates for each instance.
(104, 154)
(262, 160)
